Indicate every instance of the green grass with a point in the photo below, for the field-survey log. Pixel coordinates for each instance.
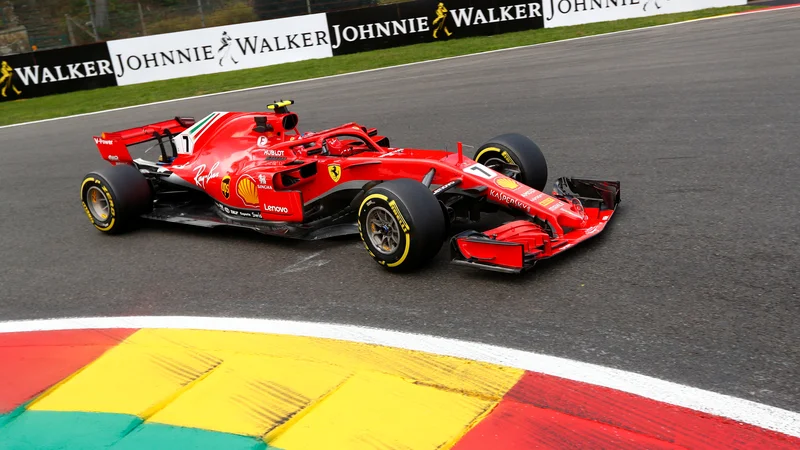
(119, 96)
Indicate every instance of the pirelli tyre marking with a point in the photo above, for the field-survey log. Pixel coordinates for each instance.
(504, 154)
(400, 220)
(102, 225)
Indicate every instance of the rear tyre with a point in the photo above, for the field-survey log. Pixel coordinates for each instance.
(115, 196)
(401, 224)
(517, 151)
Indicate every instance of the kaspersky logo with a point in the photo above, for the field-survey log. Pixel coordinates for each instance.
(7, 80)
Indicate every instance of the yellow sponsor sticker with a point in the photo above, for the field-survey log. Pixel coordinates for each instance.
(507, 183)
(335, 171)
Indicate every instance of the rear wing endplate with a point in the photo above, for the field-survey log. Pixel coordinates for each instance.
(113, 146)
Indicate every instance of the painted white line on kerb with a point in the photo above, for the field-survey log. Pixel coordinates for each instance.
(741, 410)
(287, 83)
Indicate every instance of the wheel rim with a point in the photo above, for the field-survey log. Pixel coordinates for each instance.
(98, 203)
(498, 165)
(383, 230)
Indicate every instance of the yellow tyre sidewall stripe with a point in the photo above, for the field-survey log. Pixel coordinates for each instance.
(112, 208)
(402, 221)
(503, 154)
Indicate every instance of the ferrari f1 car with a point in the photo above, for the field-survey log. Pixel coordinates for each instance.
(256, 170)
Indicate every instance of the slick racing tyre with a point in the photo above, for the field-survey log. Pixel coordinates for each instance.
(515, 156)
(114, 197)
(401, 224)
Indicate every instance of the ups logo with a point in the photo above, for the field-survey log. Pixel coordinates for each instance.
(226, 186)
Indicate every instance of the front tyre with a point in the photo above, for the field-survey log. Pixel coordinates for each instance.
(516, 156)
(114, 197)
(401, 224)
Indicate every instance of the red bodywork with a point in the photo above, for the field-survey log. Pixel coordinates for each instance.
(273, 172)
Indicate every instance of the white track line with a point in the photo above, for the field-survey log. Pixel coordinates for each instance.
(741, 410)
(392, 67)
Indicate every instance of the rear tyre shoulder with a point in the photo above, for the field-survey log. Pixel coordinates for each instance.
(114, 197)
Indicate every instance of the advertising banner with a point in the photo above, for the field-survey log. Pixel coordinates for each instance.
(36, 74)
(429, 21)
(559, 13)
(220, 49)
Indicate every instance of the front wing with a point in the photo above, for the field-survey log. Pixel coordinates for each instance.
(517, 246)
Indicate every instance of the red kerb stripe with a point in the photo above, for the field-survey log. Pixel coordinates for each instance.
(543, 411)
(33, 361)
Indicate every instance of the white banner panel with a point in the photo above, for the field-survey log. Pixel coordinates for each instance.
(220, 49)
(559, 13)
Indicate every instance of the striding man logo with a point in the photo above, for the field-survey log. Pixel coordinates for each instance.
(441, 17)
(655, 2)
(7, 79)
(225, 50)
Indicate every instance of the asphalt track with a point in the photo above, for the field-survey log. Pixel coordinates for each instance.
(695, 281)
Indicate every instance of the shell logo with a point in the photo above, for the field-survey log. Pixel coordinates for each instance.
(507, 183)
(247, 190)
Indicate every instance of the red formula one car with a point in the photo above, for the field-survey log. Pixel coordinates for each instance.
(256, 170)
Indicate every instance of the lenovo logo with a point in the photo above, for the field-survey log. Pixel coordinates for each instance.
(276, 209)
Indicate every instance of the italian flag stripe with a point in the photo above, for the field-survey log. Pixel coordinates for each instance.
(202, 123)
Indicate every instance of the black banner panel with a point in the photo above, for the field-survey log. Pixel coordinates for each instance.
(36, 74)
(421, 21)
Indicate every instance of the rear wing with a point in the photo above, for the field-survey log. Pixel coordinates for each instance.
(113, 146)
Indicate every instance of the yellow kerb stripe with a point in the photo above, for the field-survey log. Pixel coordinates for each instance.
(251, 395)
(292, 390)
(373, 410)
(130, 379)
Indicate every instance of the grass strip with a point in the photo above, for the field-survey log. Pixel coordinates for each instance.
(114, 97)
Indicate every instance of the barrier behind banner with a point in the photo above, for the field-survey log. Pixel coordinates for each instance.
(36, 74)
(421, 21)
